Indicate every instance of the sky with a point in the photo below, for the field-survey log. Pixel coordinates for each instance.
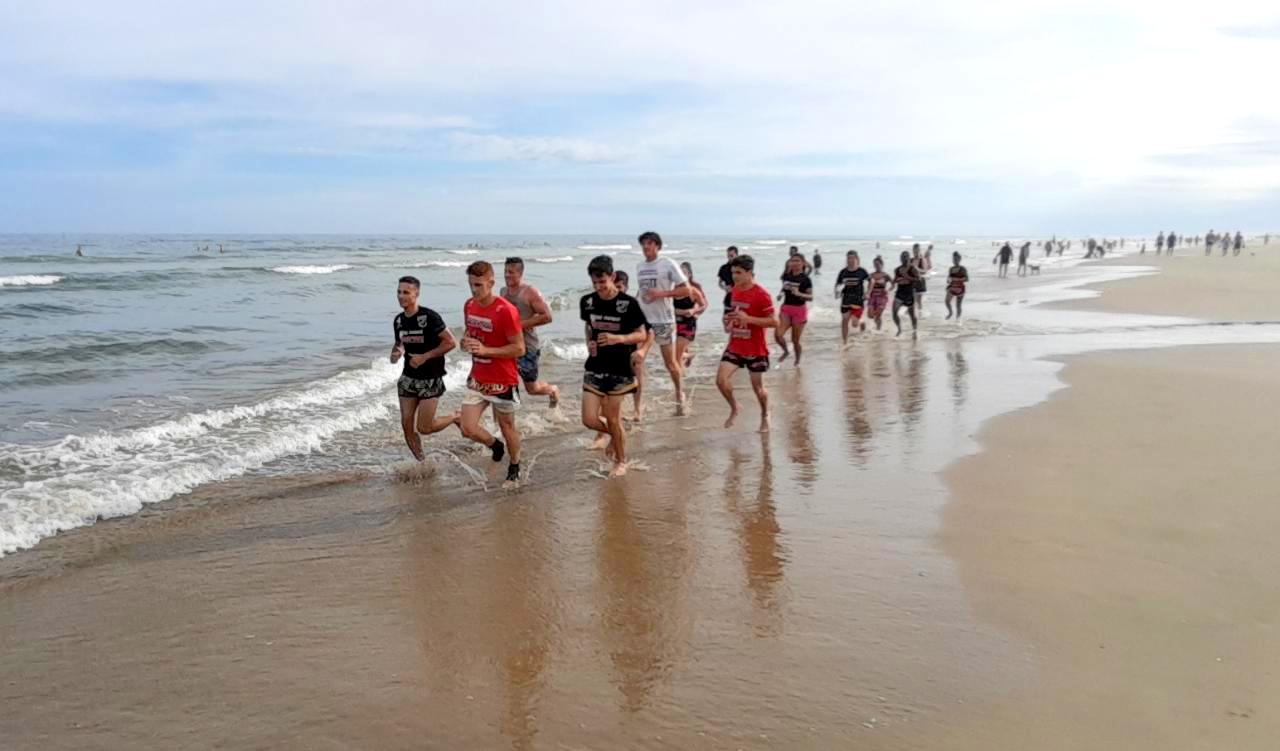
(811, 116)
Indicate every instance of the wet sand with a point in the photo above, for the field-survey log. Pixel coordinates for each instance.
(1124, 529)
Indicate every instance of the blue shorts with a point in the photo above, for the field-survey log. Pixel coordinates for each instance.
(528, 365)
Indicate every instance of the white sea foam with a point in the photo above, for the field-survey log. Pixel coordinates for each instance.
(771, 242)
(553, 259)
(310, 269)
(29, 280)
(604, 247)
(467, 252)
(430, 265)
(79, 479)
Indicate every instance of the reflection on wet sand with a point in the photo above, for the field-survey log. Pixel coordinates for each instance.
(643, 557)
(910, 367)
(801, 448)
(763, 555)
(858, 429)
(959, 370)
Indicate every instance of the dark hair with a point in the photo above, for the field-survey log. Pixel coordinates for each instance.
(956, 256)
(600, 266)
(879, 260)
(746, 263)
(853, 254)
(480, 268)
(905, 257)
(654, 236)
(734, 248)
(915, 247)
(794, 250)
(621, 277)
(515, 261)
(411, 280)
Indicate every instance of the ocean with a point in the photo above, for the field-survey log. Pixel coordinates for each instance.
(157, 365)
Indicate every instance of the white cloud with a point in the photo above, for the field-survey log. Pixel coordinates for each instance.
(536, 149)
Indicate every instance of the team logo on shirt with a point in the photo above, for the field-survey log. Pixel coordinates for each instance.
(622, 305)
(422, 321)
(590, 303)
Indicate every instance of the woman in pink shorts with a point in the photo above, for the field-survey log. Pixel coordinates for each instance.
(797, 291)
(878, 297)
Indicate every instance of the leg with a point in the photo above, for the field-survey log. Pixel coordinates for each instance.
(427, 422)
(762, 396)
(612, 407)
(844, 327)
(637, 364)
(507, 424)
(677, 374)
(959, 306)
(947, 300)
(796, 332)
(542, 388)
(724, 382)
(779, 335)
(408, 406)
(469, 423)
(912, 312)
(897, 303)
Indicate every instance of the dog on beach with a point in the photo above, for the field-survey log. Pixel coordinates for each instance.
(1035, 268)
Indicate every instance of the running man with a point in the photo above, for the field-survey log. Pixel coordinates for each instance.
(422, 339)
(623, 283)
(922, 271)
(747, 347)
(957, 280)
(851, 287)
(904, 282)
(495, 341)
(725, 276)
(615, 326)
(659, 281)
(534, 312)
(797, 291)
(878, 294)
(687, 311)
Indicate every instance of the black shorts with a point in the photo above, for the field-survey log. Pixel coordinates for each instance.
(608, 384)
(909, 298)
(420, 388)
(922, 286)
(752, 364)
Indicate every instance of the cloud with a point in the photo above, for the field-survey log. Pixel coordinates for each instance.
(537, 149)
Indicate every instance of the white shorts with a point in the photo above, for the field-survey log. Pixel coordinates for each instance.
(507, 402)
(664, 334)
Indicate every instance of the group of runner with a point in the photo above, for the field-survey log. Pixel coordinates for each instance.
(620, 330)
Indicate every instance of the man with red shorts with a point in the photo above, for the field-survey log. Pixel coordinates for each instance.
(495, 339)
(851, 288)
(752, 312)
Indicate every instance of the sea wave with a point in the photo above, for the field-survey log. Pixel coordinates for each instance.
(428, 265)
(464, 252)
(107, 350)
(35, 310)
(29, 280)
(310, 269)
(553, 259)
(604, 247)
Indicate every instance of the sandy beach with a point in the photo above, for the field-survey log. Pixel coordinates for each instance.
(1094, 577)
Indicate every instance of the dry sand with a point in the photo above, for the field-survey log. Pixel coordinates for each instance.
(1126, 529)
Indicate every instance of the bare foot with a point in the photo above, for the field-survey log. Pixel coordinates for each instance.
(602, 440)
(510, 484)
(764, 424)
(680, 408)
(733, 415)
(555, 397)
(785, 355)
(618, 470)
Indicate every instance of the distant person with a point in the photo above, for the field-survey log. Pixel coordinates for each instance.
(817, 261)
(220, 250)
(1024, 255)
(79, 251)
(687, 311)
(1160, 243)
(659, 281)
(1209, 241)
(1238, 245)
(922, 271)
(957, 281)
(725, 275)
(1226, 243)
(1170, 242)
(792, 252)
(495, 341)
(747, 348)
(623, 282)
(534, 312)
(421, 340)
(1003, 257)
(879, 283)
(615, 326)
(797, 291)
(904, 281)
(851, 285)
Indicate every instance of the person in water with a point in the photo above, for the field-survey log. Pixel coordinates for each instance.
(851, 286)
(797, 291)
(957, 281)
(1004, 256)
(922, 270)
(534, 312)
(817, 261)
(747, 348)
(623, 281)
(879, 283)
(660, 281)
(904, 282)
(687, 311)
(421, 340)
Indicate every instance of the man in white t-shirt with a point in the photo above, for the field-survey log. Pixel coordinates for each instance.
(658, 281)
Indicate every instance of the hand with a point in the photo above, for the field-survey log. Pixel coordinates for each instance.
(396, 352)
(606, 340)
(417, 360)
(649, 295)
(472, 346)
(739, 316)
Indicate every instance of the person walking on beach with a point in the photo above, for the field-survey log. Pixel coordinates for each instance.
(797, 291)
(1160, 243)
(1024, 256)
(1226, 242)
(687, 311)
(724, 275)
(879, 283)
(1238, 245)
(851, 287)
(922, 266)
(421, 340)
(615, 327)
(1209, 241)
(904, 281)
(534, 312)
(623, 282)
(1170, 241)
(1005, 255)
(495, 340)
(752, 314)
(817, 261)
(957, 281)
(659, 281)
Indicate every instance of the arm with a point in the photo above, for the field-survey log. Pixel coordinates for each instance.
(446, 345)
(541, 311)
(765, 322)
(512, 349)
(680, 290)
(700, 303)
(635, 337)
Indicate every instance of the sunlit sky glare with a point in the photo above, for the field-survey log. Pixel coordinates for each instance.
(591, 117)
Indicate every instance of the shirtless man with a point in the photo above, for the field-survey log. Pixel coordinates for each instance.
(422, 340)
(534, 312)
